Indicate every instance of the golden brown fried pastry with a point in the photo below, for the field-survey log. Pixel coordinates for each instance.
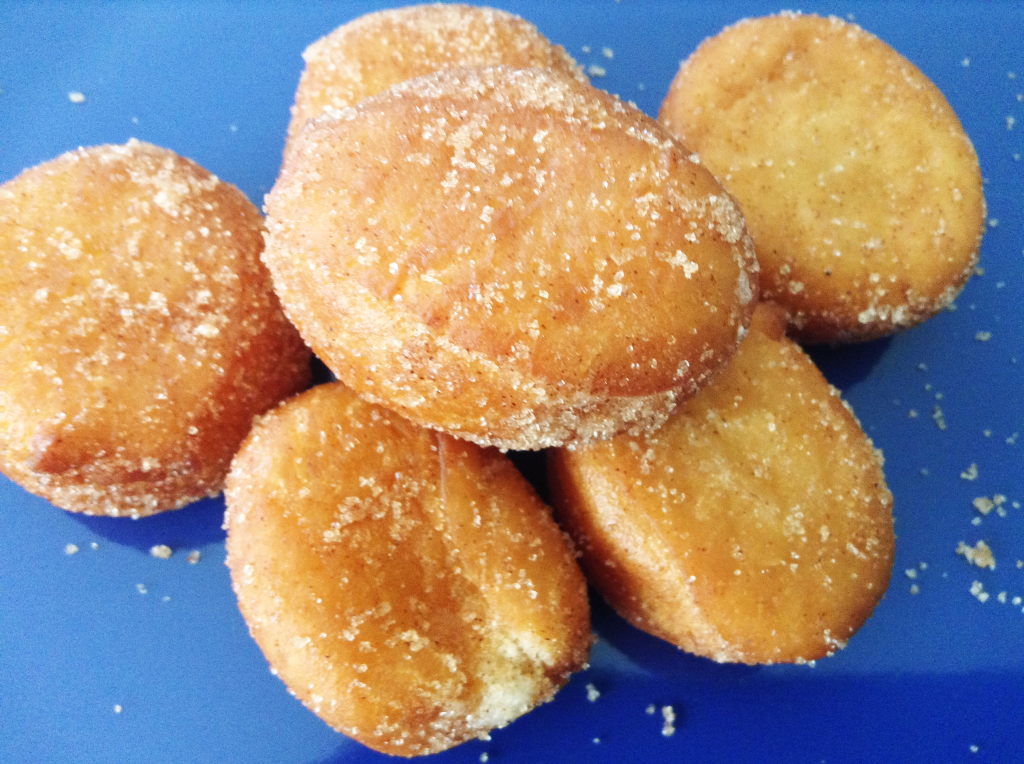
(510, 256)
(859, 186)
(755, 526)
(138, 331)
(410, 588)
(370, 54)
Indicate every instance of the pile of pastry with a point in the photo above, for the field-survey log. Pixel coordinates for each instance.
(489, 253)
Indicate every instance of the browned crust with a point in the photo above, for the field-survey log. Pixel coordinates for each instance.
(754, 527)
(862, 192)
(368, 55)
(140, 333)
(409, 588)
(510, 256)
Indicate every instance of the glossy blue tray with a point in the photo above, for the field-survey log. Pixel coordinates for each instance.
(112, 655)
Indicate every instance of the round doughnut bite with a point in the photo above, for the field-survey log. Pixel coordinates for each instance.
(859, 186)
(754, 527)
(509, 255)
(373, 52)
(410, 588)
(139, 333)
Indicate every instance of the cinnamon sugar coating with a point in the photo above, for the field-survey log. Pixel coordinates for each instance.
(509, 255)
(754, 527)
(373, 52)
(861, 190)
(408, 587)
(139, 333)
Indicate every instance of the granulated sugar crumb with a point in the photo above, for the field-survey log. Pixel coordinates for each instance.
(915, 589)
(592, 693)
(979, 554)
(161, 551)
(974, 749)
(979, 591)
(940, 419)
(911, 572)
(484, 757)
(94, 546)
(608, 53)
(984, 504)
(983, 336)
(971, 473)
(71, 549)
(142, 588)
(193, 557)
(117, 708)
(596, 71)
(597, 741)
(668, 729)
(76, 97)
(651, 709)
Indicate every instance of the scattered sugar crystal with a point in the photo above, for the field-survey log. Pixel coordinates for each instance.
(161, 551)
(76, 97)
(71, 549)
(668, 729)
(980, 554)
(984, 504)
(592, 693)
(193, 557)
(971, 473)
(979, 591)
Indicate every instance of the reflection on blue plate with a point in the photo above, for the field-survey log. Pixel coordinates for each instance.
(111, 655)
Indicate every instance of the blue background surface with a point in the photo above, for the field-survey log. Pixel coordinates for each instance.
(928, 677)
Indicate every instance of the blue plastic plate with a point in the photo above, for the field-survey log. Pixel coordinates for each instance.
(112, 655)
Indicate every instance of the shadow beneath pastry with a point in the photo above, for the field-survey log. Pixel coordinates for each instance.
(650, 655)
(846, 365)
(320, 373)
(532, 465)
(192, 527)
